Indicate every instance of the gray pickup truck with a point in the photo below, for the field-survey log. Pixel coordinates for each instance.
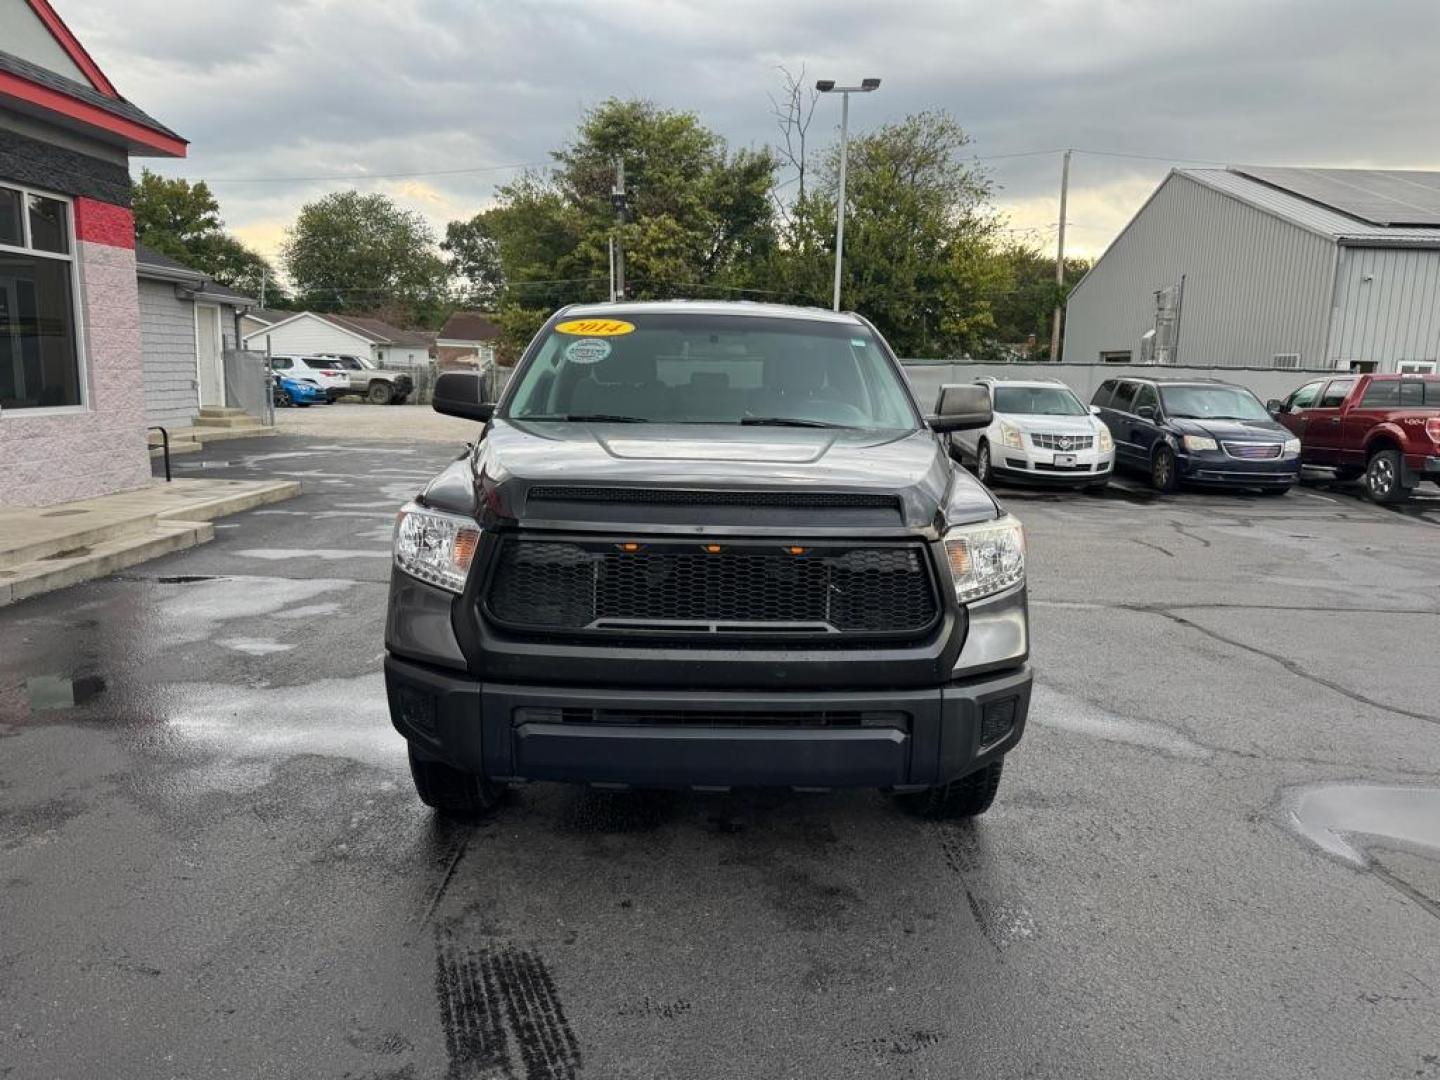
(702, 546)
(374, 384)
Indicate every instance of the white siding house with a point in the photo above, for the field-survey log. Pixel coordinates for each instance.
(309, 332)
(1255, 269)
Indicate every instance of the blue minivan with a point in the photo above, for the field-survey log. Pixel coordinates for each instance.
(1200, 431)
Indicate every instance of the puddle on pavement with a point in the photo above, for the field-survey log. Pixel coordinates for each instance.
(49, 692)
(1335, 817)
(1055, 709)
(195, 612)
(254, 646)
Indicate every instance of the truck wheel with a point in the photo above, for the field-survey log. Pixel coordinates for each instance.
(452, 792)
(970, 796)
(380, 393)
(1162, 470)
(983, 470)
(1382, 477)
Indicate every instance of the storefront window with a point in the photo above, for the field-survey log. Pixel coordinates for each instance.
(39, 354)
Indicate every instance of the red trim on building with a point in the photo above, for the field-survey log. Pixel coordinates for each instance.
(73, 49)
(91, 115)
(105, 223)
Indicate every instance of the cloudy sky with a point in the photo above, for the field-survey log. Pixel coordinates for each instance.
(282, 98)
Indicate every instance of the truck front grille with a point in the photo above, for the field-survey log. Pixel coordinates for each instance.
(689, 589)
(811, 718)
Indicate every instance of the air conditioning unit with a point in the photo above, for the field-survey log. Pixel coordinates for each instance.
(1289, 361)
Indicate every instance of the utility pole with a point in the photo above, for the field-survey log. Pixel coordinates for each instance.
(263, 275)
(1060, 259)
(618, 199)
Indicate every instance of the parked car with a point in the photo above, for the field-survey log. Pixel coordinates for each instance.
(314, 370)
(291, 391)
(1383, 427)
(374, 384)
(707, 545)
(1201, 431)
(1040, 432)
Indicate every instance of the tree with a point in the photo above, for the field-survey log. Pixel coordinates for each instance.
(1027, 305)
(182, 220)
(699, 217)
(474, 261)
(919, 239)
(354, 253)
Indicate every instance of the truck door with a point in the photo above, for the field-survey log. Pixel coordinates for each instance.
(1324, 432)
(1374, 404)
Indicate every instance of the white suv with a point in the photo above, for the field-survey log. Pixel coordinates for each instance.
(1041, 433)
(313, 369)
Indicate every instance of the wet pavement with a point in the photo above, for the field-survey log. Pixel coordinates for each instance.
(1214, 854)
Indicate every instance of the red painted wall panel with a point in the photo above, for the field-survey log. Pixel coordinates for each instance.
(99, 222)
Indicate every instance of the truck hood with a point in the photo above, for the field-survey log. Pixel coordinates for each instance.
(1256, 430)
(910, 466)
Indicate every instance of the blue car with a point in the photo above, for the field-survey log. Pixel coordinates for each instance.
(1200, 431)
(290, 391)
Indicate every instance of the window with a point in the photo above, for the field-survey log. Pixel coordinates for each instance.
(1037, 401)
(1117, 356)
(1214, 401)
(1104, 394)
(1336, 393)
(1146, 396)
(39, 328)
(1124, 395)
(1417, 392)
(1382, 394)
(1416, 367)
(1304, 398)
(281, 363)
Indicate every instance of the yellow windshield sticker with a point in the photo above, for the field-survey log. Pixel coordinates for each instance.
(595, 327)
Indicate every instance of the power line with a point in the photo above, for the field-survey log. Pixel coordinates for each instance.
(374, 176)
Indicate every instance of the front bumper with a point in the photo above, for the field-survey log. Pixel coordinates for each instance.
(1039, 467)
(1223, 470)
(706, 738)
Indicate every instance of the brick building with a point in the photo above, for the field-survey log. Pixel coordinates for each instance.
(72, 401)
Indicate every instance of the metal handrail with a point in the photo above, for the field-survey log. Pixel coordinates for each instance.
(165, 443)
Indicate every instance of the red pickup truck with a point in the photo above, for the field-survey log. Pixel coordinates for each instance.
(1383, 427)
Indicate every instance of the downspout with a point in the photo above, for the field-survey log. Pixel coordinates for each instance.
(1325, 359)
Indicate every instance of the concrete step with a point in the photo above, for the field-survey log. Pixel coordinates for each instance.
(236, 419)
(100, 559)
(183, 446)
(213, 410)
(61, 529)
(209, 435)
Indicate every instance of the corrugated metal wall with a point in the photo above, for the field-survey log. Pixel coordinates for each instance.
(1387, 306)
(1255, 285)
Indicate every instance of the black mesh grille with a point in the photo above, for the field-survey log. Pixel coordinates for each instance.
(677, 497)
(680, 588)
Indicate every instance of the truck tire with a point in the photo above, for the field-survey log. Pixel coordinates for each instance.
(452, 792)
(1383, 477)
(970, 796)
(1163, 476)
(380, 393)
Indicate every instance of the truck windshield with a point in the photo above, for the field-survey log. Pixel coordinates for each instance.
(1038, 401)
(712, 369)
(1212, 403)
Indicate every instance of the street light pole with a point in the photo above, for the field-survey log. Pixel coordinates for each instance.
(827, 86)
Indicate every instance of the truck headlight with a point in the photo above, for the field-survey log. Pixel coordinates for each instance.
(1292, 447)
(435, 547)
(1200, 442)
(1011, 436)
(985, 558)
(1103, 440)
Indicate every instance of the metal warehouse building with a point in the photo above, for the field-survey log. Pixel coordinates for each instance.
(1270, 268)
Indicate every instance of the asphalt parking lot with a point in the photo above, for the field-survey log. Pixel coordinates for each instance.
(1214, 854)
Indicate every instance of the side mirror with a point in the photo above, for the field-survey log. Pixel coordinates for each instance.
(961, 407)
(1094, 410)
(462, 394)
(1274, 406)
(1146, 412)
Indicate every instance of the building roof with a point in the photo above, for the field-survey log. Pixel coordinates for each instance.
(469, 327)
(1294, 195)
(95, 108)
(268, 316)
(377, 330)
(151, 264)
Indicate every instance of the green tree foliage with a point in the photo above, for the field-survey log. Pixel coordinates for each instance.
(699, 216)
(1026, 305)
(354, 253)
(182, 220)
(474, 262)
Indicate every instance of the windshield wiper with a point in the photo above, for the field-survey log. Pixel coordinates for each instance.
(786, 421)
(583, 418)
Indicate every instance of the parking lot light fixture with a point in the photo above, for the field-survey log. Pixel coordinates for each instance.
(827, 86)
